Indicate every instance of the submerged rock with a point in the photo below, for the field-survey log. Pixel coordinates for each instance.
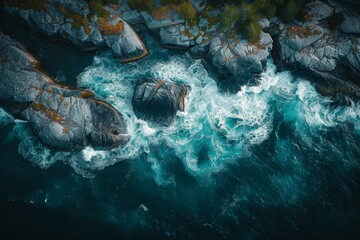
(157, 100)
(62, 117)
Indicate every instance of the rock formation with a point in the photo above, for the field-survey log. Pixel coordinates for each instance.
(86, 25)
(329, 53)
(158, 101)
(62, 117)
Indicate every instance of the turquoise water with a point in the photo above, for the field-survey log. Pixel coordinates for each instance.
(272, 161)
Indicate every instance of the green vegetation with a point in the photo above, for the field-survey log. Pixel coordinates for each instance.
(335, 19)
(229, 16)
(109, 29)
(245, 15)
(237, 16)
(188, 12)
(96, 7)
(142, 5)
(241, 19)
(185, 9)
(287, 10)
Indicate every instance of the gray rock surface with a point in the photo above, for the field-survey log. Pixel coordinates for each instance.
(169, 20)
(158, 101)
(331, 55)
(72, 21)
(239, 62)
(62, 117)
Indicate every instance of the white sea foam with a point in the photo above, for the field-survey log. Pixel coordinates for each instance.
(225, 125)
(5, 118)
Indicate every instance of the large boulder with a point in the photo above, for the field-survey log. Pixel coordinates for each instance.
(83, 26)
(127, 46)
(238, 62)
(158, 101)
(18, 72)
(69, 119)
(62, 117)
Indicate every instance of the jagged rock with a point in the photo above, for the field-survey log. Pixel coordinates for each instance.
(67, 119)
(350, 12)
(15, 63)
(328, 54)
(127, 46)
(318, 10)
(70, 20)
(199, 5)
(200, 51)
(157, 100)
(351, 22)
(131, 16)
(238, 62)
(264, 23)
(75, 35)
(172, 18)
(62, 117)
(173, 36)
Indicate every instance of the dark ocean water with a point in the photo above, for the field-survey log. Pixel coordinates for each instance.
(275, 161)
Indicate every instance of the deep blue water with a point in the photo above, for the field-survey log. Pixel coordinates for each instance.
(274, 161)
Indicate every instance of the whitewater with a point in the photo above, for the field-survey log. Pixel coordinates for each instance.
(277, 144)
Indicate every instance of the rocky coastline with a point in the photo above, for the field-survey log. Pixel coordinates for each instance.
(325, 44)
(63, 117)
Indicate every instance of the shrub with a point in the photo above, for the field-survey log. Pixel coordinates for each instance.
(335, 19)
(79, 21)
(160, 12)
(228, 17)
(142, 5)
(188, 12)
(251, 31)
(108, 29)
(97, 8)
(290, 9)
(265, 8)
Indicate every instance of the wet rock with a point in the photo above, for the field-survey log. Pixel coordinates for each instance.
(63, 118)
(158, 101)
(331, 55)
(173, 36)
(68, 119)
(318, 10)
(237, 61)
(72, 21)
(201, 50)
(15, 63)
(172, 18)
(127, 45)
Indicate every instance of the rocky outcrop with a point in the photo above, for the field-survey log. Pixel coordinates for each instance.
(158, 101)
(62, 117)
(84, 25)
(238, 61)
(332, 55)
